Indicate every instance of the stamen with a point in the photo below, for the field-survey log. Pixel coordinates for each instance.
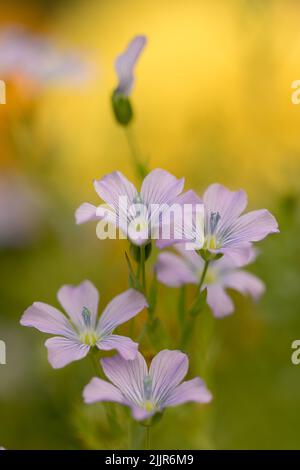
(86, 315)
(138, 199)
(148, 406)
(214, 220)
(147, 387)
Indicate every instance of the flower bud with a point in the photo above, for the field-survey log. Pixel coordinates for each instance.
(122, 108)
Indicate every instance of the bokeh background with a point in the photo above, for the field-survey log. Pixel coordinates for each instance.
(213, 103)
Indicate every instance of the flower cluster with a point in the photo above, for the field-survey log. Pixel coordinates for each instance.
(215, 245)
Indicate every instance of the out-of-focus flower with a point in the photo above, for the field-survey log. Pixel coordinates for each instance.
(226, 231)
(34, 61)
(186, 267)
(20, 211)
(145, 391)
(81, 330)
(139, 215)
(125, 64)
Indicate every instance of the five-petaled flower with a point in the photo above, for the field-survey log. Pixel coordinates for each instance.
(226, 231)
(82, 330)
(186, 267)
(147, 391)
(138, 215)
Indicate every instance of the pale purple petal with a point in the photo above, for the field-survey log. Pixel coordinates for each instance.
(229, 204)
(117, 191)
(125, 346)
(168, 369)
(140, 413)
(239, 255)
(47, 319)
(127, 375)
(62, 351)
(188, 197)
(218, 300)
(75, 298)
(181, 229)
(190, 256)
(251, 227)
(86, 213)
(191, 390)
(121, 309)
(174, 271)
(161, 187)
(100, 390)
(126, 62)
(244, 282)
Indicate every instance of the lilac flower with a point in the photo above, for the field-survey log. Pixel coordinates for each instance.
(147, 391)
(34, 58)
(125, 64)
(175, 270)
(81, 330)
(226, 230)
(137, 214)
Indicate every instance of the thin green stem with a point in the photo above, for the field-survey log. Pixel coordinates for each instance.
(143, 269)
(188, 327)
(95, 364)
(135, 153)
(205, 268)
(181, 305)
(109, 409)
(148, 437)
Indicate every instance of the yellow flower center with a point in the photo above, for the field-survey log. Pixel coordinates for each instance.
(210, 243)
(89, 337)
(148, 405)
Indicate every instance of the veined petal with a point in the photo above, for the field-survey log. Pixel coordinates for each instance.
(219, 301)
(75, 298)
(174, 271)
(62, 351)
(182, 221)
(86, 213)
(47, 319)
(125, 346)
(251, 227)
(191, 257)
(229, 204)
(168, 368)
(244, 282)
(160, 187)
(121, 309)
(100, 390)
(239, 255)
(126, 62)
(189, 197)
(190, 390)
(127, 375)
(114, 186)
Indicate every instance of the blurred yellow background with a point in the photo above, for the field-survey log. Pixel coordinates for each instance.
(212, 102)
